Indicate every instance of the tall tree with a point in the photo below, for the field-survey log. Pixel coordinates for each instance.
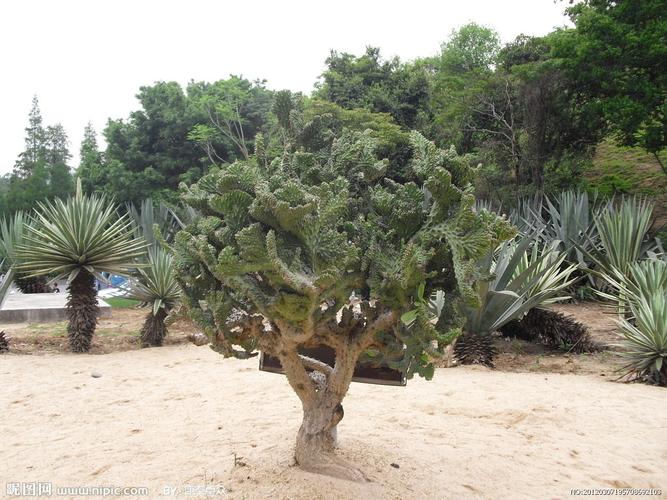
(383, 86)
(30, 178)
(525, 117)
(57, 159)
(236, 111)
(158, 147)
(617, 55)
(149, 154)
(32, 158)
(90, 169)
(462, 69)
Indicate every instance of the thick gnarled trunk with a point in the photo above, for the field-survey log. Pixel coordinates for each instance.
(322, 390)
(317, 440)
(82, 311)
(318, 432)
(321, 393)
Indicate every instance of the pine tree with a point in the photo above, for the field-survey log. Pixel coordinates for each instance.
(323, 247)
(57, 158)
(29, 180)
(90, 161)
(35, 144)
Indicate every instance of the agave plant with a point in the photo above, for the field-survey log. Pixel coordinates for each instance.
(527, 215)
(623, 234)
(523, 275)
(623, 241)
(79, 238)
(645, 340)
(571, 222)
(5, 284)
(150, 215)
(12, 232)
(641, 279)
(156, 287)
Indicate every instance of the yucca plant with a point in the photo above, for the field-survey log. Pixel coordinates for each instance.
(157, 288)
(523, 275)
(645, 339)
(552, 329)
(80, 238)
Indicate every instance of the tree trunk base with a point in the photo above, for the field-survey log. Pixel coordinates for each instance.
(154, 330)
(315, 449)
(82, 311)
(328, 464)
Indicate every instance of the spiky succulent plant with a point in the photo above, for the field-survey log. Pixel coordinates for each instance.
(521, 275)
(79, 238)
(645, 338)
(12, 231)
(155, 286)
(151, 216)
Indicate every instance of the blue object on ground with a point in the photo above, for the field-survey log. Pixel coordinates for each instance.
(117, 281)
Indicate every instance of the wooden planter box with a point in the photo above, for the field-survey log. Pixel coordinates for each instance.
(363, 372)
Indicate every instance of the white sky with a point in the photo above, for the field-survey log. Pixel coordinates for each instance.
(86, 60)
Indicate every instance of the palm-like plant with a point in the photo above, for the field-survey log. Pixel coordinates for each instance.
(80, 238)
(524, 275)
(6, 283)
(156, 287)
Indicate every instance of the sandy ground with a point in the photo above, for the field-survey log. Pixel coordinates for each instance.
(182, 416)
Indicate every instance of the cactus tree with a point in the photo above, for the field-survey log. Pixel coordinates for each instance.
(326, 247)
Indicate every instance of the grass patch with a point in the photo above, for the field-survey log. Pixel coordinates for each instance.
(623, 170)
(53, 329)
(114, 332)
(121, 302)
